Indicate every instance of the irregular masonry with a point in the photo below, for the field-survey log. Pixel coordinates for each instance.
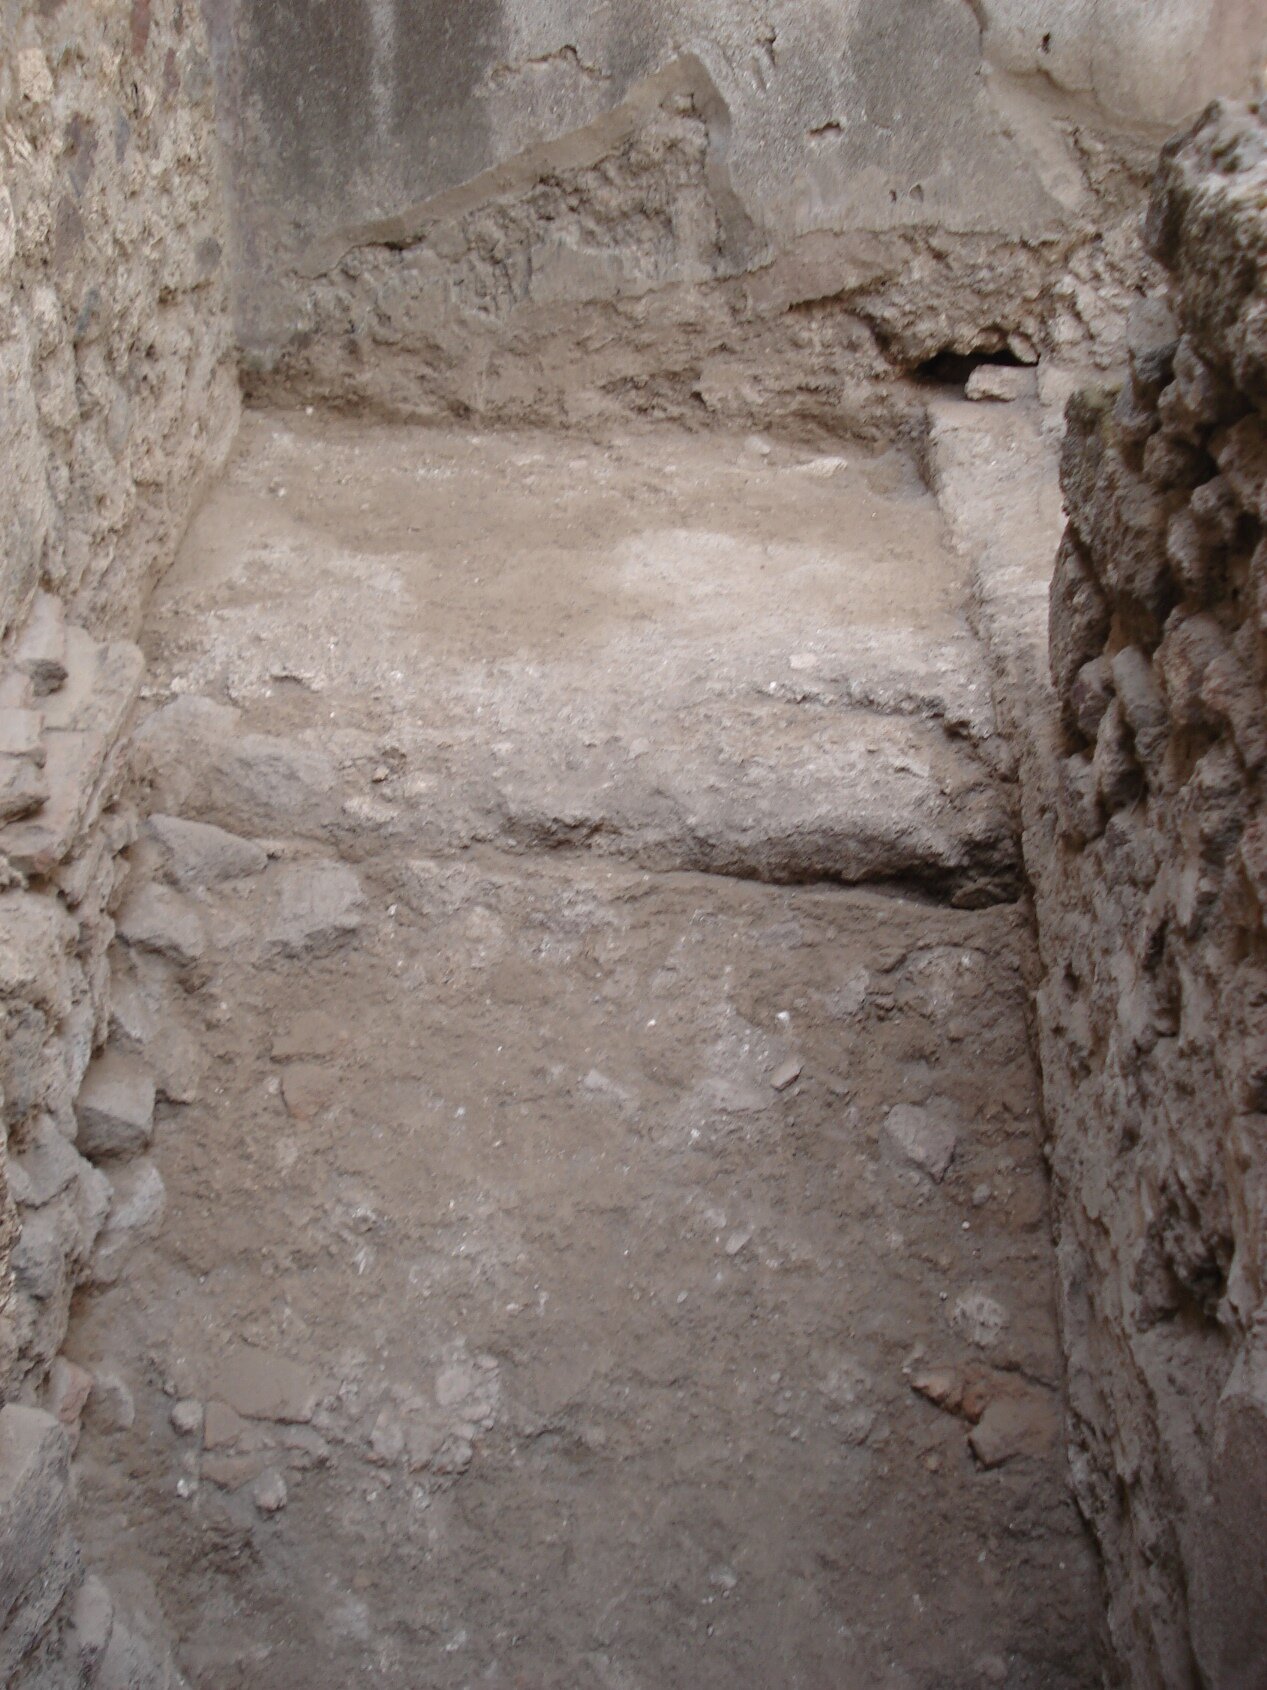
(115, 345)
(118, 384)
(1151, 906)
(66, 1221)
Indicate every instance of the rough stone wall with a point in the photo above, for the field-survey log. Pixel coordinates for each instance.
(117, 395)
(118, 399)
(750, 210)
(1152, 910)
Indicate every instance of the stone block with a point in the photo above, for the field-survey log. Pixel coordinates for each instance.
(197, 855)
(139, 1199)
(1078, 813)
(1117, 774)
(78, 774)
(1152, 338)
(1230, 690)
(1079, 617)
(1189, 647)
(69, 1387)
(317, 907)
(22, 734)
(48, 1243)
(1125, 538)
(47, 1167)
(1143, 706)
(103, 682)
(1242, 457)
(1001, 383)
(115, 1108)
(157, 919)
(1090, 695)
(34, 1498)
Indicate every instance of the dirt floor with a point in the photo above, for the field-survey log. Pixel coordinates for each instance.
(605, 1238)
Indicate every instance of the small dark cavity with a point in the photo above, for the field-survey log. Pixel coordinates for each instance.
(952, 369)
(1046, 42)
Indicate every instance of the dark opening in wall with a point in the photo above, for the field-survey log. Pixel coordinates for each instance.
(952, 369)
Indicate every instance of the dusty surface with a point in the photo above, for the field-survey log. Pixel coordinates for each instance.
(579, 1268)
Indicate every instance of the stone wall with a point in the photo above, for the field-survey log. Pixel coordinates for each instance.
(1152, 894)
(118, 400)
(743, 210)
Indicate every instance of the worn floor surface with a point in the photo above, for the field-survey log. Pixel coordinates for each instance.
(606, 1239)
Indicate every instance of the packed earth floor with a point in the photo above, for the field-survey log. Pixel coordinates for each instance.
(580, 941)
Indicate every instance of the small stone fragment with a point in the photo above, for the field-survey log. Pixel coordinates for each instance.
(230, 1472)
(787, 1074)
(269, 1491)
(187, 1417)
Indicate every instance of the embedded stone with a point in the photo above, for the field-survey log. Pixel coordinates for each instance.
(198, 855)
(157, 919)
(263, 1386)
(926, 1134)
(115, 1107)
(318, 907)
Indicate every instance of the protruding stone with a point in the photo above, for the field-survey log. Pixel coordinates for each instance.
(197, 855)
(1002, 383)
(269, 1492)
(157, 919)
(137, 1208)
(187, 1417)
(69, 1387)
(115, 1107)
